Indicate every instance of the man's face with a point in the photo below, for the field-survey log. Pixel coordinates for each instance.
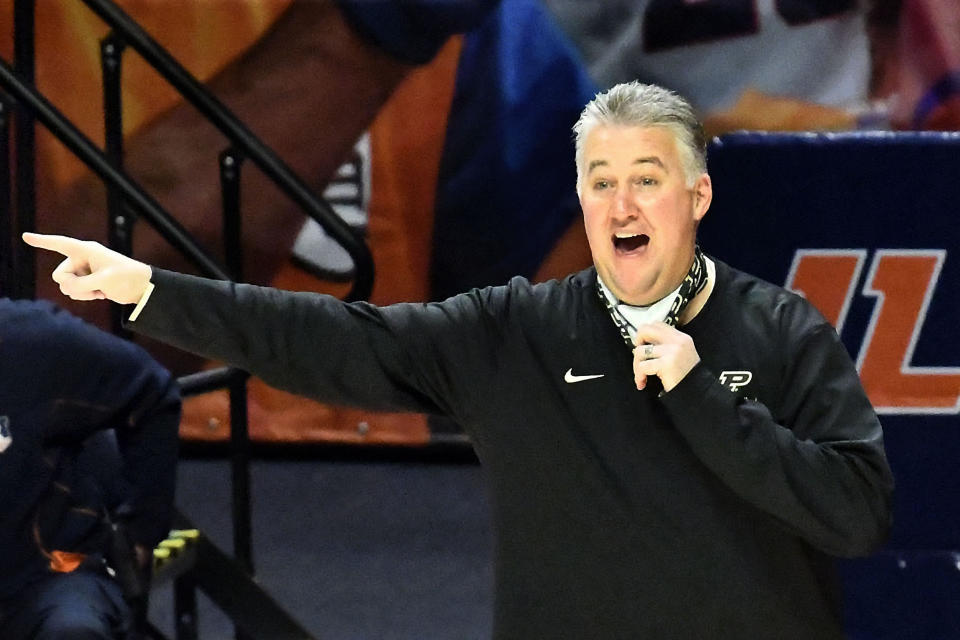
(640, 215)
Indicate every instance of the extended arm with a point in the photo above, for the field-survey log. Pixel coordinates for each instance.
(402, 357)
(305, 343)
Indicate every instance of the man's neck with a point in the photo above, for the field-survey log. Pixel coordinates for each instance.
(696, 305)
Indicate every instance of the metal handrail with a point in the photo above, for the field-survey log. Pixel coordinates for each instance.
(243, 139)
(124, 192)
(25, 147)
(194, 384)
(90, 154)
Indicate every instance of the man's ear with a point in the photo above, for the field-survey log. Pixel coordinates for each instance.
(702, 196)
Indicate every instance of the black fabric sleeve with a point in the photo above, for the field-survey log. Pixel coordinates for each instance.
(94, 381)
(401, 357)
(819, 467)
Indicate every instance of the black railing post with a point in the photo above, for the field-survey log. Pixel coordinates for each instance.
(24, 65)
(6, 209)
(230, 164)
(120, 218)
(185, 607)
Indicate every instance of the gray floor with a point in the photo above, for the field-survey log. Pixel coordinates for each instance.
(354, 550)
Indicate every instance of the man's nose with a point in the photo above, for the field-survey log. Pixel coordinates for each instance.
(625, 205)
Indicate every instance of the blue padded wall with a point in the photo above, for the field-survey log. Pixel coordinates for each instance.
(873, 194)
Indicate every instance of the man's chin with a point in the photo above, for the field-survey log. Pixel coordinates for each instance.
(638, 294)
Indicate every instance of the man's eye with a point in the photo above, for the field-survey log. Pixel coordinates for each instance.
(599, 185)
(647, 181)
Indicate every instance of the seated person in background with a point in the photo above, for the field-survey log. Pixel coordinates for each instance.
(61, 382)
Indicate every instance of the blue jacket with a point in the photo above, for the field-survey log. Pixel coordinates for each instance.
(61, 381)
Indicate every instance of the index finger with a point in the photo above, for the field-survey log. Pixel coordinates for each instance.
(61, 244)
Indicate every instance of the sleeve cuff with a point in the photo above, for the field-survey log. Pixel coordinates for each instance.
(141, 303)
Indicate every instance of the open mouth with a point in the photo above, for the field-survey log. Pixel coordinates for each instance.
(627, 244)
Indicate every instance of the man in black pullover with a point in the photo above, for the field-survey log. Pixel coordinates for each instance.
(675, 448)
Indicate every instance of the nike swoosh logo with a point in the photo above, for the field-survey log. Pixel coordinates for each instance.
(569, 377)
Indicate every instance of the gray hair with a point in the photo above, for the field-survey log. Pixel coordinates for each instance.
(633, 104)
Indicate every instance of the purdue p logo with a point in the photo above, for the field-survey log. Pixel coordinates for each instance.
(735, 379)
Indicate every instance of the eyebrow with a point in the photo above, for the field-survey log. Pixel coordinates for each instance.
(644, 160)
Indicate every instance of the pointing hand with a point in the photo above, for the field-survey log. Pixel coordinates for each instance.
(93, 272)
